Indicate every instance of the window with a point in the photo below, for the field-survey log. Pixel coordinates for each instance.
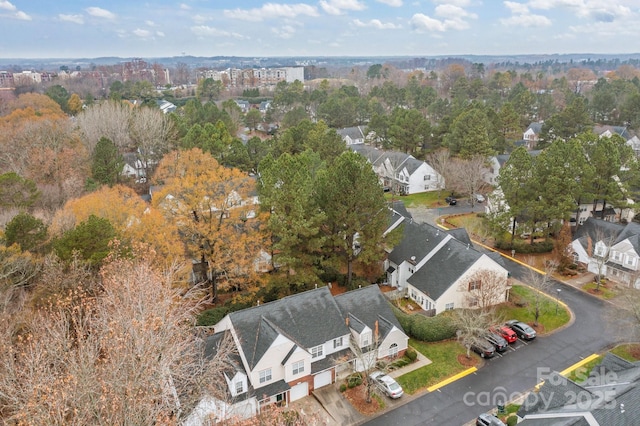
(599, 250)
(366, 339)
(337, 343)
(239, 387)
(393, 350)
(475, 285)
(448, 307)
(617, 255)
(297, 367)
(265, 375)
(473, 302)
(630, 260)
(427, 177)
(317, 351)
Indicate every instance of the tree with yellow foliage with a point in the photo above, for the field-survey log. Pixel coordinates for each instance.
(214, 209)
(131, 217)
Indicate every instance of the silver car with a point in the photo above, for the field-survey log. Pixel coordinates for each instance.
(386, 384)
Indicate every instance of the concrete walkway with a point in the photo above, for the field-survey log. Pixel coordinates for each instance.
(421, 361)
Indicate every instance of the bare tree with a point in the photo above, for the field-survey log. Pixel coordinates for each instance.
(125, 355)
(599, 249)
(468, 176)
(366, 358)
(540, 283)
(152, 133)
(106, 119)
(441, 160)
(472, 325)
(485, 288)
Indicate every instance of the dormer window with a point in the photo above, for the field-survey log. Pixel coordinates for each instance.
(239, 387)
(366, 339)
(317, 351)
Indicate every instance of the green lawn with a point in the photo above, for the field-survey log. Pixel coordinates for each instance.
(581, 374)
(427, 199)
(444, 363)
(630, 351)
(474, 224)
(549, 319)
(605, 293)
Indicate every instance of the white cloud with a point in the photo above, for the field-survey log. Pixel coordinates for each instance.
(392, 3)
(142, 33)
(6, 5)
(98, 12)
(185, 6)
(199, 19)
(272, 11)
(516, 8)
(422, 22)
(377, 24)
(150, 23)
(453, 12)
(527, 21)
(286, 32)
(337, 7)
(76, 19)
(459, 3)
(206, 31)
(159, 33)
(552, 4)
(22, 16)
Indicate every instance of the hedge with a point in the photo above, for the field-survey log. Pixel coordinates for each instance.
(426, 329)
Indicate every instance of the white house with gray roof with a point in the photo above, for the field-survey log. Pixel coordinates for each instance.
(401, 172)
(610, 249)
(352, 135)
(440, 269)
(289, 347)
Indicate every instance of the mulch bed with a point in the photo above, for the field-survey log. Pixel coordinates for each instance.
(465, 361)
(357, 397)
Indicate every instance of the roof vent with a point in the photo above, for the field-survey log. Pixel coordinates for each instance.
(468, 246)
(413, 258)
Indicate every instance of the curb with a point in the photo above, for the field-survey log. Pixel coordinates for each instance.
(452, 379)
(566, 371)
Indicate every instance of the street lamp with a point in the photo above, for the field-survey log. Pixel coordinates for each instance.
(557, 300)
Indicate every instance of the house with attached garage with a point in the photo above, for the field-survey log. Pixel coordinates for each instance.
(609, 249)
(401, 172)
(292, 346)
(352, 135)
(440, 269)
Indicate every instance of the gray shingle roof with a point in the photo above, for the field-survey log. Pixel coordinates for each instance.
(444, 268)
(369, 305)
(308, 318)
(412, 165)
(418, 240)
(597, 230)
(352, 132)
(610, 385)
(370, 153)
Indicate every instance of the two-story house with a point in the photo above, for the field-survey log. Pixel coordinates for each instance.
(289, 347)
(532, 134)
(441, 270)
(352, 135)
(609, 249)
(401, 172)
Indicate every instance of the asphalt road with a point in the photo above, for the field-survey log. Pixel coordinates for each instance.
(505, 378)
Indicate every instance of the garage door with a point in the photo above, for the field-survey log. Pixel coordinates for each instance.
(322, 379)
(298, 391)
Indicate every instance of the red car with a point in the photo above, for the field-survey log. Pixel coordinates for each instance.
(508, 334)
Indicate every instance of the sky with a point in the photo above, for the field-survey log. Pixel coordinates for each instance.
(254, 28)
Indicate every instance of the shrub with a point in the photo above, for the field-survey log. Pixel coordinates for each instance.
(400, 362)
(512, 421)
(354, 380)
(211, 316)
(427, 329)
(343, 387)
(411, 354)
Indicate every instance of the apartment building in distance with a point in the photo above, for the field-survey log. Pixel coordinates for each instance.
(254, 77)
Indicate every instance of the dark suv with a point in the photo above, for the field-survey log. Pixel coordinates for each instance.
(483, 348)
(451, 201)
(497, 341)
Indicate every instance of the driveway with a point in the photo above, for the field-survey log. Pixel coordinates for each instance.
(508, 377)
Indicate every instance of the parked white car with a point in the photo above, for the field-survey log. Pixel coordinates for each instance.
(387, 384)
